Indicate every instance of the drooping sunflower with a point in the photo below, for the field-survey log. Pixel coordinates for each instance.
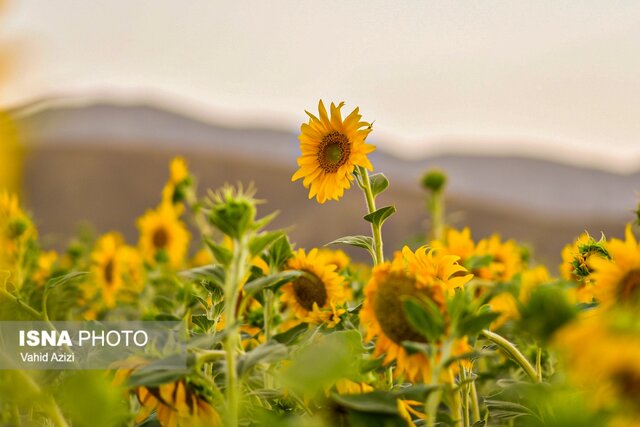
(163, 236)
(575, 265)
(423, 274)
(331, 149)
(321, 288)
(115, 265)
(618, 279)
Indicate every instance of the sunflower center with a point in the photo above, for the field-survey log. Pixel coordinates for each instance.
(334, 151)
(388, 306)
(108, 272)
(160, 238)
(309, 289)
(629, 286)
(628, 382)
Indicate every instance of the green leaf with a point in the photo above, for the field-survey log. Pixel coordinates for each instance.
(202, 321)
(472, 325)
(212, 277)
(220, 253)
(379, 402)
(290, 335)
(475, 262)
(279, 252)
(268, 352)
(272, 280)
(263, 222)
(365, 242)
(379, 183)
(262, 241)
(380, 216)
(425, 318)
(151, 377)
(61, 280)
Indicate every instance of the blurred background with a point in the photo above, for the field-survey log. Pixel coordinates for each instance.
(532, 108)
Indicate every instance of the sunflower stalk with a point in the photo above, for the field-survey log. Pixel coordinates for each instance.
(515, 354)
(237, 271)
(376, 227)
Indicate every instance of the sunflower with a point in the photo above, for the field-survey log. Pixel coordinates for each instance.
(457, 243)
(602, 356)
(114, 264)
(320, 288)
(618, 279)
(10, 155)
(331, 149)
(506, 258)
(163, 236)
(575, 265)
(175, 404)
(173, 191)
(421, 274)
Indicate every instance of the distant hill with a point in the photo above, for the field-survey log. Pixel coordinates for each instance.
(106, 163)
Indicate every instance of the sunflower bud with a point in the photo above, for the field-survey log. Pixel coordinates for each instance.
(17, 227)
(434, 180)
(233, 211)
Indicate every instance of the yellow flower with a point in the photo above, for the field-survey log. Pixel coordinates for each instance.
(505, 304)
(506, 258)
(575, 265)
(531, 279)
(46, 261)
(336, 257)
(176, 405)
(320, 288)
(346, 386)
(457, 243)
(16, 230)
(618, 280)
(328, 317)
(406, 410)
(331, 149)
(418, 274)
(602, 355)
(178, 174)
(10, 155)
(114, 264)
(163, 236)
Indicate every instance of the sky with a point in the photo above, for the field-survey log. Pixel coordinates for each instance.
(550, 79)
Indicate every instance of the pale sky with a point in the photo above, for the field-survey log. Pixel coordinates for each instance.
(552, 79)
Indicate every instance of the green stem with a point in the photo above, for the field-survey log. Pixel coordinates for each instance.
(475, 406)
(27, 308)
(513, 352)
(232, 336)
(376, 229)
(539, 364)
(436, 208)
(464, 389)
(456, 404)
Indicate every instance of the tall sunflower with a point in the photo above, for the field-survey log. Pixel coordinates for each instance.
(163, 236)
(421, 274)
(321, 288)
(618, 279)
(115, 265)
(331, 149)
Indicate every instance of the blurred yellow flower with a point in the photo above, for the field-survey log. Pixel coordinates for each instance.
(319, 289)
(618, 280)
(331, 149)
(178, 174)
(163, 236)
(419, 274)
(10, 155)
(602, 355)
(506, 258)
(575, 265)
(505, 304)
(115, 265)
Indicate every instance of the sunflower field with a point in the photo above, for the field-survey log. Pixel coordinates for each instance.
(452, 332)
